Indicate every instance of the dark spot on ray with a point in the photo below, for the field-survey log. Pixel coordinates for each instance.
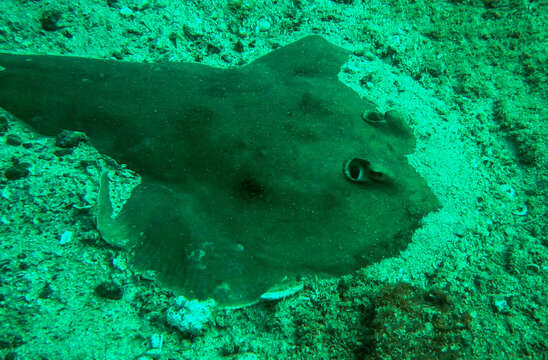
(249, 188)
(311, 105)
(305, 71)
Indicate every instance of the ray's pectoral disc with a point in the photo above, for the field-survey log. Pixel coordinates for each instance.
(241, 168)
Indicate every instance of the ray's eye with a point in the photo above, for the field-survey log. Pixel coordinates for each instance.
(373, 117)
(356, 170)
(359, 171)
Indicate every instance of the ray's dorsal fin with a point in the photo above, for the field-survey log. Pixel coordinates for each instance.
(312, 56)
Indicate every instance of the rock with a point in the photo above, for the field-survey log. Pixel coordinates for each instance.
(213, 49)
(13, 140)
(190, 316)
(46, 292)
(69, 139)
(263, 25)
(12, 355)
(65, 238)
(63, 152)
(239, 47)
(126, 12)
(109, 290)
(16, 172)
(500, 304)
(49, 20)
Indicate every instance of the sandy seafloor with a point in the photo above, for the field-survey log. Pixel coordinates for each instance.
(470, 75)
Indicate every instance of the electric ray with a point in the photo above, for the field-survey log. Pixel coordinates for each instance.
(250, 175)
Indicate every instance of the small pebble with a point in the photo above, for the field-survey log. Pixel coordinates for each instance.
(156, 341)
(66, 237)
(125, 11)
(500, 305)
(521, 211)
(263, 25)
